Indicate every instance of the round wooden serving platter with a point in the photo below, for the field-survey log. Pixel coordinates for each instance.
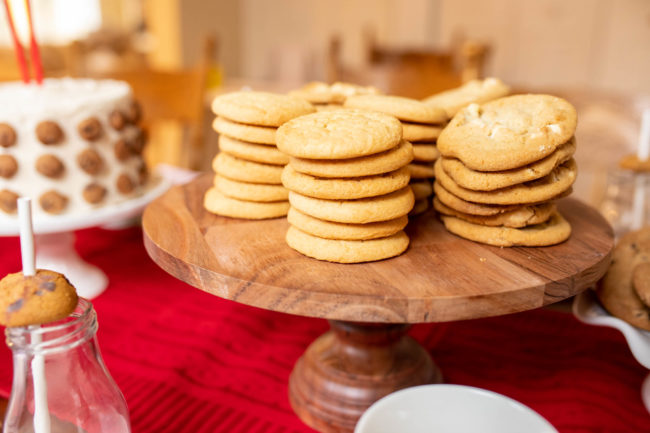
(441, 277)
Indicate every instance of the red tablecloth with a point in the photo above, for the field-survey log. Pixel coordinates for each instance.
(190, 362)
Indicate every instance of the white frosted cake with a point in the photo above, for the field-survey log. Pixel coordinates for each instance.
(70, 144)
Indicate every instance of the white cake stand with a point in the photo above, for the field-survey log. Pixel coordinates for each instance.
(587, 309)
(54, 238)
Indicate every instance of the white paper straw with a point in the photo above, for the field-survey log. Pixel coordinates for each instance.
(26, 235)
(643, 150)
(41, 410)
(638, 209)
(642, 153)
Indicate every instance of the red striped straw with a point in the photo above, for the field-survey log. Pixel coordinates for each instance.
(18, 48)
(34, 51)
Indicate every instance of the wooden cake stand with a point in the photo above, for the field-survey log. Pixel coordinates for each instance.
(367, 354)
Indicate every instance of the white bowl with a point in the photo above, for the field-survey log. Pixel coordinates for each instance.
(450, 409)
(587, 309)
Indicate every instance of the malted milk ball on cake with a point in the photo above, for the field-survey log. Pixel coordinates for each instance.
(8, 166)
(49, 132)
(94, 193)
(7, 135)
(134, 112)
(117, 120)
(50, 166)
(8, 201)
(143, 173)
(90, 161)
(136, 141)
(125, 184)
(90, 129)
(122, 150)
(53, 202)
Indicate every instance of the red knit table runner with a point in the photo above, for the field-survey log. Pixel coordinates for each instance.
(187, 361)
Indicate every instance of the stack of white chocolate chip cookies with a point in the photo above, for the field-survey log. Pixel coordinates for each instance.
(421, 125)
(249, 166)
(503, 164)
(331, 96)
(348, 180)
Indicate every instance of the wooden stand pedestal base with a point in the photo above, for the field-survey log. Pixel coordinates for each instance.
(352, 366)
(367, 354)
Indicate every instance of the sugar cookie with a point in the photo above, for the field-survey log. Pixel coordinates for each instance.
(425, 152)
(247, 171)
(215, 202)
(421, 189)
(421, 170)
(388, 160)
(252, 152)
(260, 108)
(339, 134)
(414, 132)
(410, 110)
(346, 251)
(344, 231)
(250, 191)
(240, 131)
(360, 211)
(345, 188)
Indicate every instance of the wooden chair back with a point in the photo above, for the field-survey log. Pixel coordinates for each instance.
(176, 97)
(414, 73)
(57, 61)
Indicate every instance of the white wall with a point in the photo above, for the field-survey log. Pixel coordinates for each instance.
(536, 43)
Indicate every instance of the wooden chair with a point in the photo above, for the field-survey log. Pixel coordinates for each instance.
(415, 73)
(170, 99)
(57, 61)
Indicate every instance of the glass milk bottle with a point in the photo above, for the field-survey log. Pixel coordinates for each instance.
(59, 374)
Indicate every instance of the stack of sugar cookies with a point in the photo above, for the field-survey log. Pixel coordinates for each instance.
(249, 166)
(421, 125)
(474, 91)
(503, 164)
(348, 181)
(331, 96)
